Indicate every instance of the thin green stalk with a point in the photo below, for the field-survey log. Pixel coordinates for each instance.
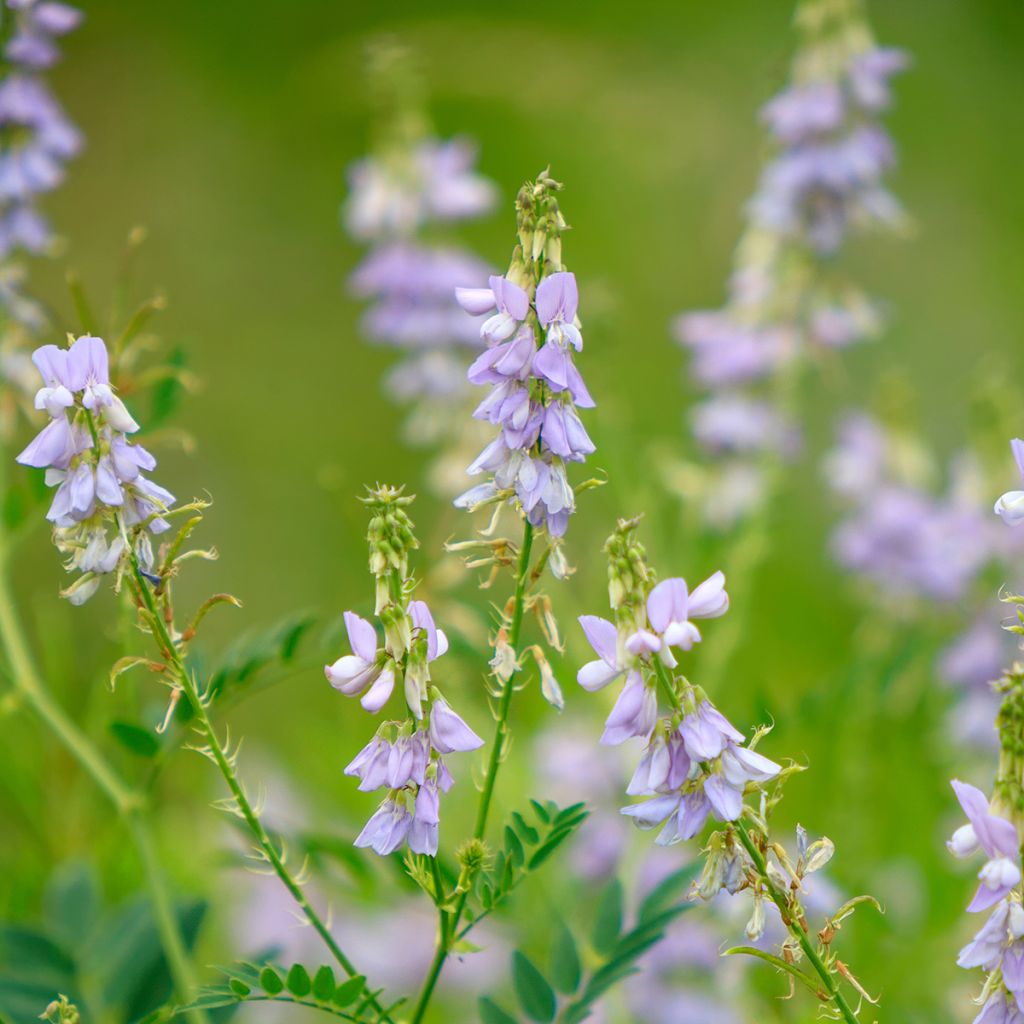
(224, 762)
(795, 928)
(449, 923)
(129, 805)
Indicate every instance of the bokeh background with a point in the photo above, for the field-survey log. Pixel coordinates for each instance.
(225, 129)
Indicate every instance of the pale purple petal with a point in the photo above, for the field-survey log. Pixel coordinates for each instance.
(362, 637)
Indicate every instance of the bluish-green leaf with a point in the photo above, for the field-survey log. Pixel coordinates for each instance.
(533, 991)
(565, 960)
(298, 981)
(270, 981)
(134, 738)
(324, 984)
(492, 1013)
(608, 922)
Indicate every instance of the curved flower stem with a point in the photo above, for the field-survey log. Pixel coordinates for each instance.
(795, 928)
(224, 760)
(448, 931)
(29, 684)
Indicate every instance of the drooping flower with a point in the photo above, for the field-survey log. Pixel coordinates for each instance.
(996, 836)
(670, 608)
(449, 734)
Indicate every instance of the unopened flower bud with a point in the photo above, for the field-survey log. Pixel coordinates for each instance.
(755, 926)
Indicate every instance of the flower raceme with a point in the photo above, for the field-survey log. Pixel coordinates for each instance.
(696, 765)
(405, 757)
(535, 385)
(98, 473)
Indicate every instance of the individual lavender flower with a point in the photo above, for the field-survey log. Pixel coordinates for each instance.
(997, 837)
(103, 507)
(1010, 507)
(824, 180)
(535, 391)
(404, 757)
(697, 765)
(411, 184)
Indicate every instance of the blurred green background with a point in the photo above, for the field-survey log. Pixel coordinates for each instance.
(225, 128)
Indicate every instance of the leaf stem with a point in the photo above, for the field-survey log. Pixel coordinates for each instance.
(225, 764)
(129, 805)
(448, 929)
(796, 929)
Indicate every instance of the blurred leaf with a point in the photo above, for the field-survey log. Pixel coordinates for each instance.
(72, 902)
(134, 738)
(491, 1013)
(667, 890)
(270, 981)
(168, 390)
(565, 961)
(32, 954)
(535, 995)
(608, 922)
(349, 991)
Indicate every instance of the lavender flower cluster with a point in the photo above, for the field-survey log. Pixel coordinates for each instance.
(696, 764)
(410, 185)
(535, 391)
(824, 180)
(38, 138)
(102, 492)
(994, 828)
(405, 757)
(915, 548)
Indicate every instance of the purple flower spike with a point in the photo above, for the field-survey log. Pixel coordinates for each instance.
(449, 734)
(634, 715)
(603, 637)
(997, 837)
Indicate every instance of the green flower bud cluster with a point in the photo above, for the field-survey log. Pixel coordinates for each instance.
(539, 224)
(1008, 796)
(630, 578)
(61, 1011)
(391, 539)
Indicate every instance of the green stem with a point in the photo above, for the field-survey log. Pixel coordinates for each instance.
(224, 762)
(795, 928)
(666, 683)
(129, 805)
(449, 926)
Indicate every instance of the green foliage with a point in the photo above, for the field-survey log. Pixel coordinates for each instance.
(608, 922)
(616, 955)
(107, 960)
(525, 847)
(297, 984)
(258, 651)
(566, 971)
(535, 994)
(134, 738)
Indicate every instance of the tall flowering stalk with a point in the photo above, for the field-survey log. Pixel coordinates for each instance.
(531, 333)
(405, 757)
(788, 302)
(994, 828)
(697, 766)
(105, 514)
(402, 198)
